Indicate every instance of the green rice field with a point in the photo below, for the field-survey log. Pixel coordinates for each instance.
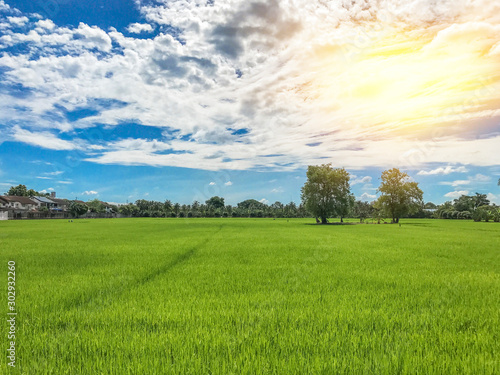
(253, 296)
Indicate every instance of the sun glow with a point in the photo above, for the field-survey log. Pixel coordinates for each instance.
(411, 80)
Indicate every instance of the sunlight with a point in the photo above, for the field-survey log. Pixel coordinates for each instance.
(414, 80)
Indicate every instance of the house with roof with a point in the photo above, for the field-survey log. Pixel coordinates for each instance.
(109, 209)
(60, 204)
(44, 202)
(16, 207)
(18, 203)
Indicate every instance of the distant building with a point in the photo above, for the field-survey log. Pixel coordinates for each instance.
(15, 207)
(19, 203)
(44, 202)
(60, 204)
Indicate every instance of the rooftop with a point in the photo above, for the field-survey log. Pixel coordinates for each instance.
(14, 198)
(44, 200)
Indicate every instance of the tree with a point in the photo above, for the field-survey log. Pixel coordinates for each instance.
(362, 210)
(176, 210)
(480, 200)
(19, 191)
(251, 208)
(430, 206)
(128, 209)
(77, 209)
(96, 206)
(326, 192)
(400, 196)
(215, 203)
(22, 191)
(464, 203)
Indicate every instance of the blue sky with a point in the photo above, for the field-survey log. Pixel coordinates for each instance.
(183, 100)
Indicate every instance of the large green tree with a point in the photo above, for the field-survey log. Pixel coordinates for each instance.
(77, 209)
(215, 203)
(22, 191)
(96, 206)
(326, 192)
(400, 195)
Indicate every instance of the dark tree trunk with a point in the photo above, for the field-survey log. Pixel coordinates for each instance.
(323, 220)
(341, 219)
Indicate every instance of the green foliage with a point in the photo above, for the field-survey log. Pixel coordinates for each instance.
(362, 210)
(77, 209)
(215, 203)
(475, 207)
(400, 196)
(128, 210)
(96, 206)
(22, 191)
(222, 296)
(326, 192)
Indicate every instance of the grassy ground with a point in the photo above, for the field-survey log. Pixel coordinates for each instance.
(254, 296)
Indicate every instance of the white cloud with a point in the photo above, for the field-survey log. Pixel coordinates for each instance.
(212, 183)
(362, 180)
(367, 196)
(90, 192)
(494, 198)
(264, 200)
(456, 194)
(46, 191)
(138, 28)
(478, 178)
(3, 6)
(55, 173)
(245, 63)
(443, 171)
(41, 139)
(277, 190)
(45, 24)
(481, 178)
(229, 183)
(18, 21)
(456, 183)
(65, 182)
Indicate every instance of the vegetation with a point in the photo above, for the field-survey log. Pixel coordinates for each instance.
(400, 196)
(326, 192)
(77, 209)
(475, 207)
(325, 195)
(213, 207)
(22, 191)
(246, 296)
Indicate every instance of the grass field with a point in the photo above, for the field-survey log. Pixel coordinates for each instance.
(254, 296)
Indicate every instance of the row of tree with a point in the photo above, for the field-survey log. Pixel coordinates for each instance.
(327, 194)
(213, 207)
(476, 207)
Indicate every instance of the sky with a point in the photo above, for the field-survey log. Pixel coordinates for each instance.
(186, 99)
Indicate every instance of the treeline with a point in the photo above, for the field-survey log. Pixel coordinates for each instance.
(477, 208)
(213, 207)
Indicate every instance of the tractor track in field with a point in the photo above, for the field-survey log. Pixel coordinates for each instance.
(106, 296)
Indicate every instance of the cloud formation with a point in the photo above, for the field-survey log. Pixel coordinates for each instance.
(137, 28)
(263, 84)
(443, 171)
(456, 194)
